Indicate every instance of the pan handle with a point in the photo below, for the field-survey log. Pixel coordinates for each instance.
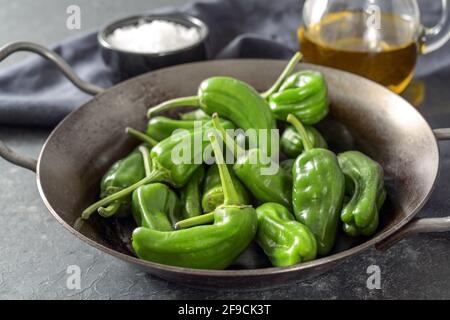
(424, 225)
(442, 134)
(5, 152)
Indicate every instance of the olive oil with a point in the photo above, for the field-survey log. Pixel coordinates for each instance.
(386, 54)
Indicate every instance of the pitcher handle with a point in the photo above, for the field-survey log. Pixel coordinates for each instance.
(435, 37)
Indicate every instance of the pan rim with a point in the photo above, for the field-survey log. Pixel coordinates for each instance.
(260, 272)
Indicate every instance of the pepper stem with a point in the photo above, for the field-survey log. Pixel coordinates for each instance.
(141, 136)
(191, 101)
(195, 221)
(301, 130)
(286, 72)
(155, 176)
(110, 210)
(230, 194)
(229, 142)
(146, 157)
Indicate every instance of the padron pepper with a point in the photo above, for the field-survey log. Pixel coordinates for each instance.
(213, 246)
(197, 114)
(284, 240)
(213, 192)
(318, 190)
(160, 128)
(165, 167)
(191, 195)
(291, 142)
(185, 142)
(303, 94)
(156, 206)
(365, 186)
(230, 98)
(121, 175)
(264, 178)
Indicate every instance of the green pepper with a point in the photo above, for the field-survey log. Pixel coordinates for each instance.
(265, 179)
(291, 142)
(213, 246)
(318, 190)
(180, 173)
(365, 186)
(303, 94)
(190, 195)
(160, 128)
(165, 168)
(285, 241)
(156, 206)
(213, 192)
(197, 114)
(230, 98)
(121, 175)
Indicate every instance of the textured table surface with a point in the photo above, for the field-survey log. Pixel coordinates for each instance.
(35, 251)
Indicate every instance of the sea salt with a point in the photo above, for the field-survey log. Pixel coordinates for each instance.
(154, 37)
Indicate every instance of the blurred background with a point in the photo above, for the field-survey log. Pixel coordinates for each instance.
(44, 21)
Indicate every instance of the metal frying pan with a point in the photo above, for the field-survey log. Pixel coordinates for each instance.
(364, 115)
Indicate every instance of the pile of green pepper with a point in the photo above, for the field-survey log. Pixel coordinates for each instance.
(204, 214)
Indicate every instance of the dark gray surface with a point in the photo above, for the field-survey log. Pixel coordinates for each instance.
(35, 250)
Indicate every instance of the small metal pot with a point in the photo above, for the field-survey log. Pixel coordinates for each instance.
(127, 64)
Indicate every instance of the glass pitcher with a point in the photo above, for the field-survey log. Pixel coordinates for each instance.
(378, 39)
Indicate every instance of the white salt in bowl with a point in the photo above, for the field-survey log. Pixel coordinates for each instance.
(139, 44)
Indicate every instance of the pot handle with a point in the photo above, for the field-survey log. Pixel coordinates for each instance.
(423, 225)
(5, 152)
